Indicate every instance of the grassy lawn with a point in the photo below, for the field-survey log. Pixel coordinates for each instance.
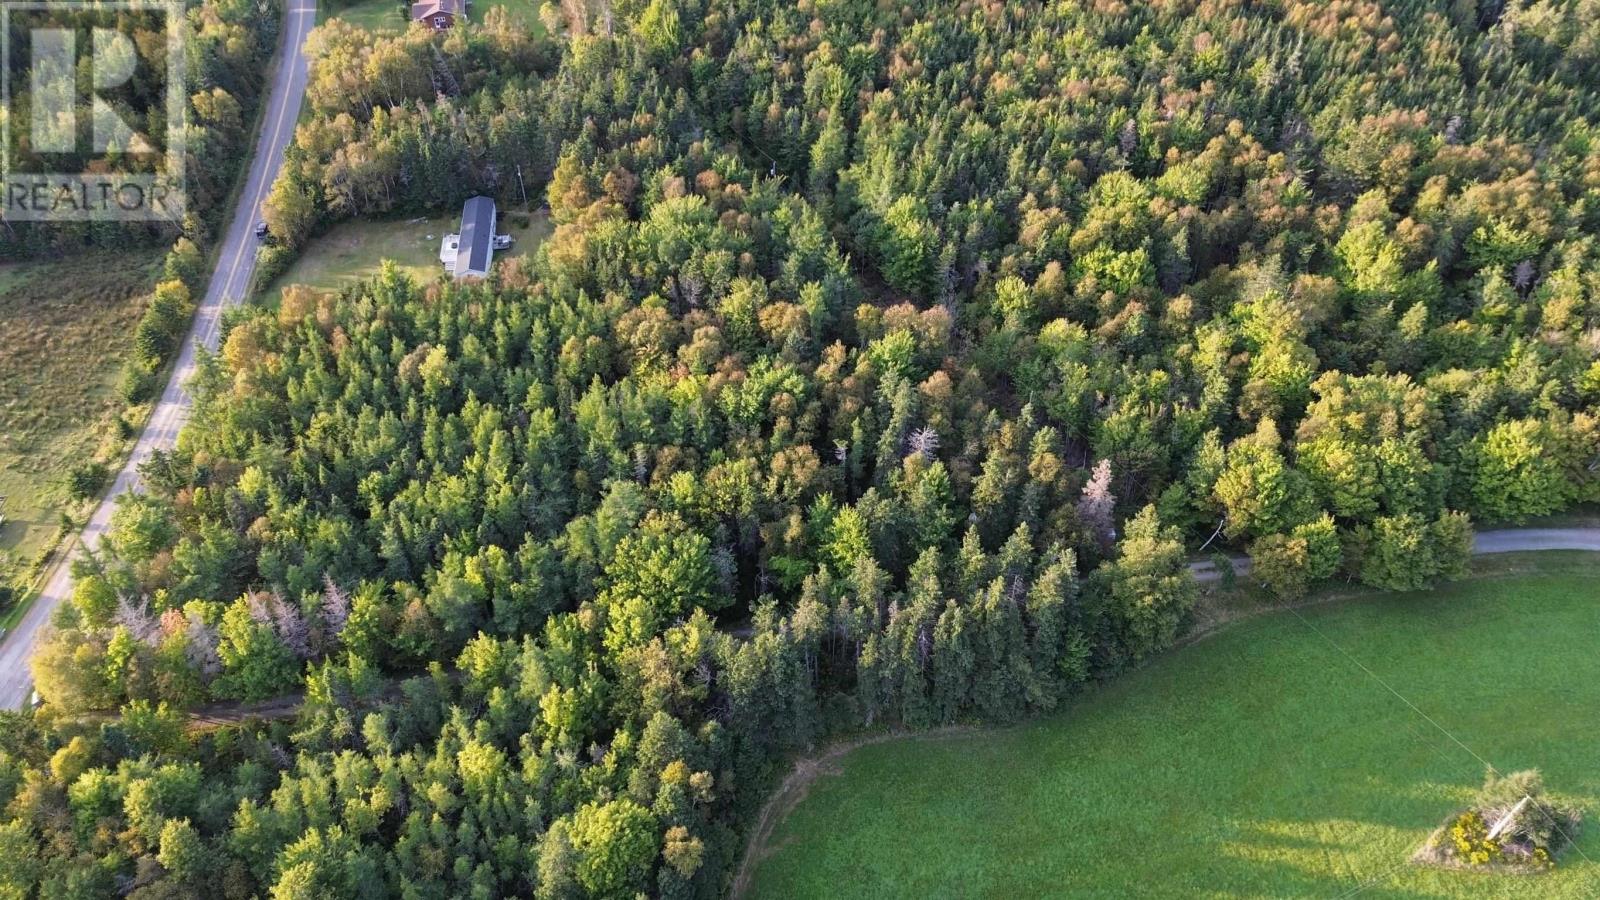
(353, 251)
(384, 14)
(369, 14)
(1260, 762)
(65, 328)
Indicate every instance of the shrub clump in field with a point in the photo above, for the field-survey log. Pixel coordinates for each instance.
(1510, 825)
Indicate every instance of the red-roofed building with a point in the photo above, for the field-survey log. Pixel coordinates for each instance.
(439, 15)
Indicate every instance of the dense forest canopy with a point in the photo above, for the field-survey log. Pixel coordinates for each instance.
(884, 368)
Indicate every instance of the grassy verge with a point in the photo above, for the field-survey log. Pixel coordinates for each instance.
(1262, 761)
(353, 251)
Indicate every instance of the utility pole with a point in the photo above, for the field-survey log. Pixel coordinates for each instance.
(522, 185)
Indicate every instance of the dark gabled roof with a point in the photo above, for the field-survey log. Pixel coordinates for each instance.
(477, 237)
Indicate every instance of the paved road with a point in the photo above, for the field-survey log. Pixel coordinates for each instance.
(1510, 540)
(235, 265)
(1516, 540)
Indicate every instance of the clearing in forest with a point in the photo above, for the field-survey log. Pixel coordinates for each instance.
(392, 15)
(354, 251)
(1260, 762)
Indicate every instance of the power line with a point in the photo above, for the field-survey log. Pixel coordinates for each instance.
(1431, 721)
(1387, 687)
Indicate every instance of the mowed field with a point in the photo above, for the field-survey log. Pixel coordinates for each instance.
(1259, 762)
(65, 328)
(354, 251)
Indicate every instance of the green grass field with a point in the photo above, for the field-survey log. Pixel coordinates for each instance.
(65, 328)
(352, 251)
(385, 14)
(1259, 762)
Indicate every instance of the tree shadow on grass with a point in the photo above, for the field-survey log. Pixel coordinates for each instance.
(1370, 854)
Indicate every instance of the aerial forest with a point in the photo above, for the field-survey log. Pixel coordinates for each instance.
(887, 368)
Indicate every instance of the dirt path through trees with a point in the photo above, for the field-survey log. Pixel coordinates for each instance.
(797, 785)
(1208, 622)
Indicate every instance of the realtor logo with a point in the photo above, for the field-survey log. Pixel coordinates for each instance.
(92, 110)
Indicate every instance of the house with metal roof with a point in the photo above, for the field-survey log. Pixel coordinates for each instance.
(470, 254)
